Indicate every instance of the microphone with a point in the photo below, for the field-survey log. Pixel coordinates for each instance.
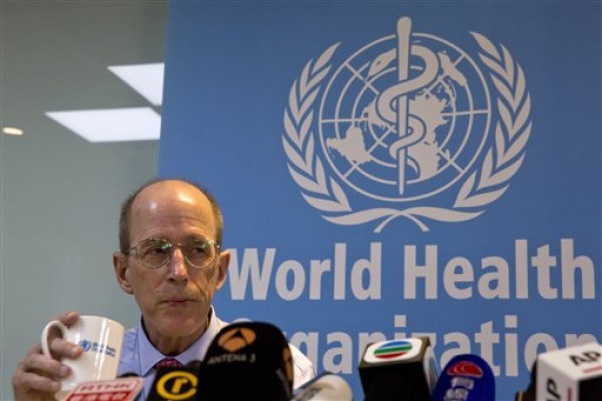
(128, 374)
(326, 387)
(570, 374)
(398, 369)
(248, 361)
(465, 378)
(175, 383)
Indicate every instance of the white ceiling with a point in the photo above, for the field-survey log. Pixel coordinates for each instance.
(54, 56)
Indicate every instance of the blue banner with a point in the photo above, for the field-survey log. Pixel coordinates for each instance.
(398, 169)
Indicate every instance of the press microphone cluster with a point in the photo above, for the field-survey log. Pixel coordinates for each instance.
(251, 361)
(247, 361)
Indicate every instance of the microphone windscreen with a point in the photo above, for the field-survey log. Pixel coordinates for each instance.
(465, 378)
(194, 364)
(247, 361)
(174, 383)
(326, 387)
(398, 369)
(128, 374)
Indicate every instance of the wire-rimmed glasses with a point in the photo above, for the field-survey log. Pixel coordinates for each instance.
(155, 252)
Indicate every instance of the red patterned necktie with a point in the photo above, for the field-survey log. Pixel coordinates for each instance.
(168, 363)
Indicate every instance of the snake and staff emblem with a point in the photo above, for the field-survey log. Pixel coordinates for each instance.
(405, 120)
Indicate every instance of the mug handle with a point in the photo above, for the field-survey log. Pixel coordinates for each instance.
(46, 331)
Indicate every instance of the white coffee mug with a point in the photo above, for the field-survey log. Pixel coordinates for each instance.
(100, 338)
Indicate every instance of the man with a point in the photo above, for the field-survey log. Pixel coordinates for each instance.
(171, 261)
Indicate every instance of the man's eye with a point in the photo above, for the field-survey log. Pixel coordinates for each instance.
(199, 248)
(152, 251)
(156, 250)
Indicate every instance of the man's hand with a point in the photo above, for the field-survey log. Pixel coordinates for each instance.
(38, 377)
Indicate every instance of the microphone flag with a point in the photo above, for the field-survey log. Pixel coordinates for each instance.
(122, 389)
(570, 374)
(398, 369)
(465, 378)
(176, 383)
(247, 361)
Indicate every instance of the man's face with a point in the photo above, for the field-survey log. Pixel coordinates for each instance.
(175, 298)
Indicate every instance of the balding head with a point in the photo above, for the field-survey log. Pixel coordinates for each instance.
(154, 194)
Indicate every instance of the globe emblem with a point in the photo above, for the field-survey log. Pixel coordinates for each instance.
(404, 117)
(85, 345)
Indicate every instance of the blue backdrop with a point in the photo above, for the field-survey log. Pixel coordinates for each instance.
(393, 169)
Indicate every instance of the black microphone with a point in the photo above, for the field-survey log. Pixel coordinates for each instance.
(175, 383)
(570, 374)
(248, 361)
(326, 387)
(465, 378)
(398, 369)
(128, 374)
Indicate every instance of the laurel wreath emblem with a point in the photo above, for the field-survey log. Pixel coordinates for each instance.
(482, 187)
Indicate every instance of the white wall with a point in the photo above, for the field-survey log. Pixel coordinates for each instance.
(60, 195)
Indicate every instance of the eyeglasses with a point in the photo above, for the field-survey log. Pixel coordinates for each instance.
(154, 252)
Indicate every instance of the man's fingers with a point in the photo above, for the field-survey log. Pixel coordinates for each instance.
(64, 349)
(34, 382)
(36, 349)
(37, 375)
(68, 318)
(41, 365)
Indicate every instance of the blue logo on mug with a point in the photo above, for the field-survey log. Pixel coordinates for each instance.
(97, 347)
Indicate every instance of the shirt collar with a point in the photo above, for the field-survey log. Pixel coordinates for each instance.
(149, 355)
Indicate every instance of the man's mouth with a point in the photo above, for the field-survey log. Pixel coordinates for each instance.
(178, 301)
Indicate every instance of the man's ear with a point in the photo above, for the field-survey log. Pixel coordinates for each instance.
(222, 268)
(121, 268)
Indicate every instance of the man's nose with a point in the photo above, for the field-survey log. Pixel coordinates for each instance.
(177, 265)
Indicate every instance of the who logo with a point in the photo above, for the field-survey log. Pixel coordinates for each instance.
(408, 126)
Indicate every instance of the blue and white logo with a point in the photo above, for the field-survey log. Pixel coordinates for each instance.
(85, 345)
(88, 346)
(410, 125)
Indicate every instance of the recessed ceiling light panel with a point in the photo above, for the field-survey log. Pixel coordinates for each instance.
(111, 125)
(146, 79)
